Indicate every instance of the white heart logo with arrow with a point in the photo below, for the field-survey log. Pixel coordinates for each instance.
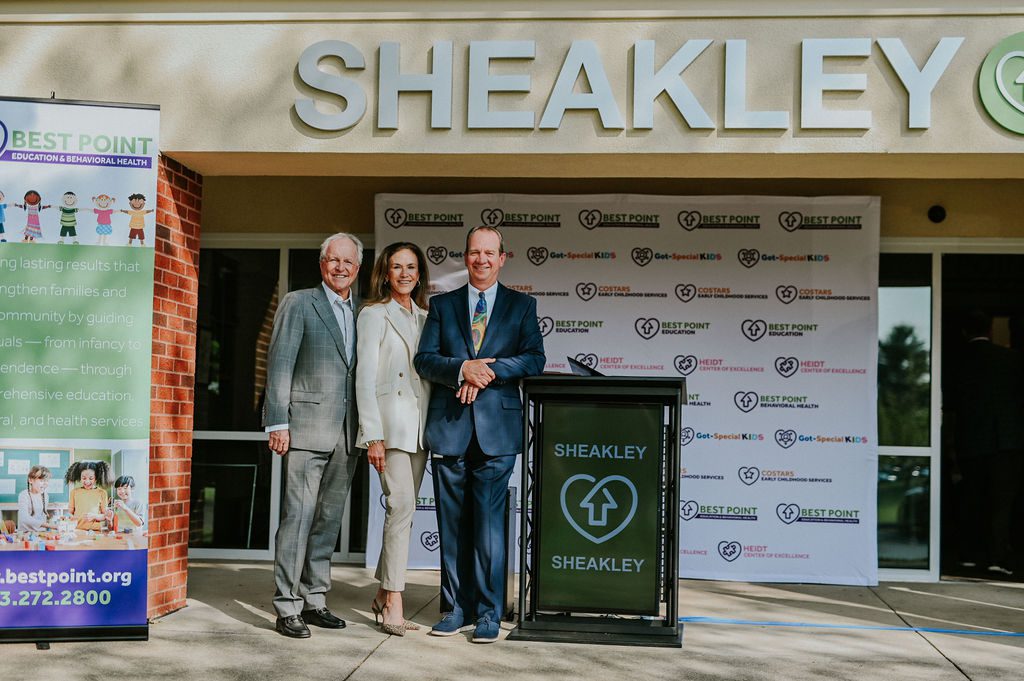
(598, 502)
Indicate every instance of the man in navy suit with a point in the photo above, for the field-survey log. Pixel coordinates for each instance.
(478, 342)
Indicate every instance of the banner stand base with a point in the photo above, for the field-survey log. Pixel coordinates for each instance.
(575, 629)
(74, 634)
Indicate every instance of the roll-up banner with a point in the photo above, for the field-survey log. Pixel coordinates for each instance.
(766, 304)
(78, 194)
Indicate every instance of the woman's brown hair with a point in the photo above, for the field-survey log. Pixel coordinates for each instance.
(380, 289)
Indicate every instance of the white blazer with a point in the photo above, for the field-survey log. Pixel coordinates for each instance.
(390, 396)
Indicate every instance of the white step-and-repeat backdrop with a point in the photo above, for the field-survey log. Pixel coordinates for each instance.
(767, 305)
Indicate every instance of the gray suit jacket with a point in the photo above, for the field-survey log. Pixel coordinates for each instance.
(310, 384)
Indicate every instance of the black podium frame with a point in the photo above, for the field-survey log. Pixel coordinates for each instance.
(607, 627)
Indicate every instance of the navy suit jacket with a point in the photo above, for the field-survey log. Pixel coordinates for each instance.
(513, 338)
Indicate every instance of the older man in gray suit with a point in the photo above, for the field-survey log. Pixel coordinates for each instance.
(310, 414)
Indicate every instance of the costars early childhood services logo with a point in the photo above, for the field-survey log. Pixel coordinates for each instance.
(786, 294)
(586, 290)
(685, 292)
(1001, 83)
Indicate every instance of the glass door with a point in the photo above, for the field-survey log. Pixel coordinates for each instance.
(908, 429)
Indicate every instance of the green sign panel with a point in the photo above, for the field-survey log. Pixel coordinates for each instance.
(599, 529)
(75, 347)
(1001, 83)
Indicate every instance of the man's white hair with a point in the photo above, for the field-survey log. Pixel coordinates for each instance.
(342, 235)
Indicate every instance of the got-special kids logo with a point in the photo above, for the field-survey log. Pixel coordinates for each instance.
(792, 221)
(496, 217)
(687, 292)
(787, 437)
(645, 255)
(692, 219)
(751, 475)
(437, 254)
(592, 218)
(400, 217)
(691, 509)
(790, 513)
(688, 435)
(538, 255)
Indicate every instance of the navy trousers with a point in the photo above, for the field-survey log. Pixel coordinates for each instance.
(469, 493)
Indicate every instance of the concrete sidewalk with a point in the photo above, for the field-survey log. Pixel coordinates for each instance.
(227, 632)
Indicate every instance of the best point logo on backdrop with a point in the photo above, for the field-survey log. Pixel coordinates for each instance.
(790, 513)
(691, 509)
(649, 327)
(692, 219)
(400, 217)
(792, 221)
(756, 329)
(592, 218)
(496, 217)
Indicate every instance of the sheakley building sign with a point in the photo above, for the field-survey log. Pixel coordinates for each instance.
(501, 68)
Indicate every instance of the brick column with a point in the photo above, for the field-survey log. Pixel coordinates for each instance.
(175, 303)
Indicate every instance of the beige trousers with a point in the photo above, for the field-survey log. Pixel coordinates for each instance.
(403, 473)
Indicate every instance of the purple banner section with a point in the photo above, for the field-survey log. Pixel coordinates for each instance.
(72, 588)
(63, 158)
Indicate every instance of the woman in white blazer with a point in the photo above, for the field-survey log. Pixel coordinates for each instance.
(392, 402)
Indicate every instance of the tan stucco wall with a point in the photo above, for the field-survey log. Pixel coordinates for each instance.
(289, 205)
(229, 86)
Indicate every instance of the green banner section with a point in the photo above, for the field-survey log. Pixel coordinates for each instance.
(75, 341)
(599, 516)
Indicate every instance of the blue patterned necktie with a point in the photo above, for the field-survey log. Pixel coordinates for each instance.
(479, 322)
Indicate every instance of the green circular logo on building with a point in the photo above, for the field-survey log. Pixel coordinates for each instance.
(1001, 83)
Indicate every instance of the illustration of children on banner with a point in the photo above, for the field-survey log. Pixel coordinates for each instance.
(137, 221)
(69, 217)
(32, 207)
(103, 212)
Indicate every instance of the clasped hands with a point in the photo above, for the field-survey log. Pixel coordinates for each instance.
(476, 376)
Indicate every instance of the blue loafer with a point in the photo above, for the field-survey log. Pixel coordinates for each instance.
(451, 624)
(486, 631)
